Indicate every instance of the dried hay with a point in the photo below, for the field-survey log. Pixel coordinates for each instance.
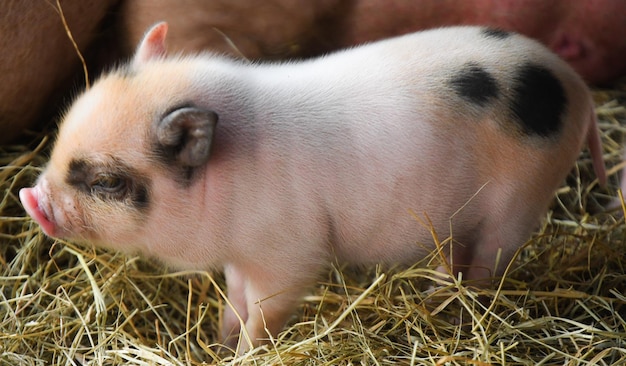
(563, 300)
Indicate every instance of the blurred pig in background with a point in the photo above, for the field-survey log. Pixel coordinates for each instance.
(41, 69)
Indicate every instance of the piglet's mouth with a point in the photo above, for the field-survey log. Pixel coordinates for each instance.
(31, 199)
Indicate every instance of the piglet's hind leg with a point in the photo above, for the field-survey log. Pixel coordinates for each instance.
(495, 248)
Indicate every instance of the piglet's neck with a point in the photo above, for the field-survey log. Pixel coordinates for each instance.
(249, 96)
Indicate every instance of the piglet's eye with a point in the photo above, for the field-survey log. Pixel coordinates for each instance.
(108, 183)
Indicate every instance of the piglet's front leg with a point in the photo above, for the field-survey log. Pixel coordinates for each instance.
(263, 299)
(231, 324)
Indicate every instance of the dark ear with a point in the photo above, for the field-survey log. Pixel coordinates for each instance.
(185, 135)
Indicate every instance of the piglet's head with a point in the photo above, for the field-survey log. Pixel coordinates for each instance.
(126, 152)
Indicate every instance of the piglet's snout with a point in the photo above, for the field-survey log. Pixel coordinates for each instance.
(32, 200)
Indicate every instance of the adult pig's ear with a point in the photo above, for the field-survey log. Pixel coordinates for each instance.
(152, 45)
(184, 136)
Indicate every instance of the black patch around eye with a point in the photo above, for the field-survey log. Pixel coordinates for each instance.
(79, 175)
(474, 84)
(86, 176)
(141, 197)
(538, 101)
(495, 33)
(110, 183)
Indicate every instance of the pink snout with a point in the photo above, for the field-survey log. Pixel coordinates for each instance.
(31, 199)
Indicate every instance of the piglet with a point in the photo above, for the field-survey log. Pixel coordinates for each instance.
(272, 171)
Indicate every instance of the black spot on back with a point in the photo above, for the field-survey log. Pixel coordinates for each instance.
(538, 101)
(474, 84)
(495, 33)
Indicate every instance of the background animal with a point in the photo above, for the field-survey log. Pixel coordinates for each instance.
(41, 69)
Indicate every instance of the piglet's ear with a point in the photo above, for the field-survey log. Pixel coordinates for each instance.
(185, 135)
(152, 45)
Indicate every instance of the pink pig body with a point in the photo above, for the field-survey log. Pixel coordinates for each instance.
(272, 172)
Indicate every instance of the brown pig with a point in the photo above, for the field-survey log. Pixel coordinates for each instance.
(588, 34)
(272, 171)
(38, 57)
